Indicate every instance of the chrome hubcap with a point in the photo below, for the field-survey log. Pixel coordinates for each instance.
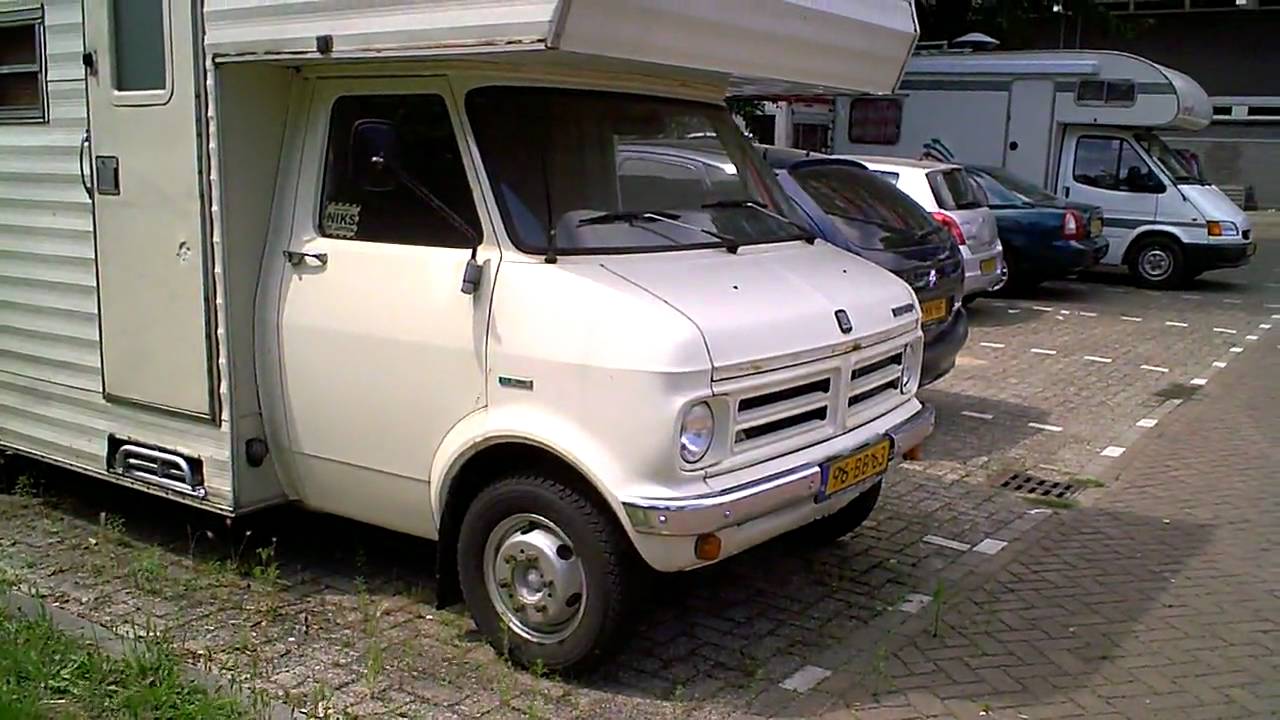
(1156, 263)
(535, 578)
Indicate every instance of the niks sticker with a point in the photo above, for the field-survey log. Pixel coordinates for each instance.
(340, 220)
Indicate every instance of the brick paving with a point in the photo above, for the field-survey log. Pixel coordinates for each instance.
(1093, 611)
(1159, 598)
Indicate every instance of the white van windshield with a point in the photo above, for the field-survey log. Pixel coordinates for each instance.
(1169, 160)
(561, 166)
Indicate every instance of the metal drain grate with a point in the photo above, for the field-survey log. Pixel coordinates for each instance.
(1028, 484)
(1177, 391)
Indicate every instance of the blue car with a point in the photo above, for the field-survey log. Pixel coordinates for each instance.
(1045, 237)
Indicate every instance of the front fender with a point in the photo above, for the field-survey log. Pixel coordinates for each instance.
(611, 475)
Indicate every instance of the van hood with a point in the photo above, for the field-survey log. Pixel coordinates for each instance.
(774, 305)
(1213, 204)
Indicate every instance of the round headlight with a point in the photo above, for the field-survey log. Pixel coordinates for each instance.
(697, 429)
(910, 368)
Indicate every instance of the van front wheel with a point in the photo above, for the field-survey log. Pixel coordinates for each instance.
(1159, 263)
(544, 572)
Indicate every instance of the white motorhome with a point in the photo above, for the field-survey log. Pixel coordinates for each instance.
(1084, 124)
(377, 263)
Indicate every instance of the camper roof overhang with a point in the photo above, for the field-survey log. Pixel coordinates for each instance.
(773, 47)
(1190, 109)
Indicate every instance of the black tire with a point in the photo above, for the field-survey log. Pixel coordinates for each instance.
(842, 522)
(607, 564)
(1159, 263)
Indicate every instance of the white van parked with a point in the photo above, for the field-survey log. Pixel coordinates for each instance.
(377, 263)
(1081, 123)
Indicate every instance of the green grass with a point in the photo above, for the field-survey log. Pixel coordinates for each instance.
(1051, 502)
(46, 673)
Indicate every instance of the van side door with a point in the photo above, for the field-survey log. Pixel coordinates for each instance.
(380, 352)
(1109, 171)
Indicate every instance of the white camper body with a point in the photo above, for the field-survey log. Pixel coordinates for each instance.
(192, 304)
(1084, 125)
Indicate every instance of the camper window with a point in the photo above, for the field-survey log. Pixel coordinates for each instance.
(418, 132)
(22, 89)
(875, 120)
(1106, 92)
(140, 52)
(1111, 163)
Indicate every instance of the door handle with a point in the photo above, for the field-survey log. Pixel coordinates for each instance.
(298, 257)
(84, 179)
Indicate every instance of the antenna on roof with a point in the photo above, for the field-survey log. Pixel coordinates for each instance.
(974, 41)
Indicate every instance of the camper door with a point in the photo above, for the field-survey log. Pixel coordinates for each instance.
(146, 160)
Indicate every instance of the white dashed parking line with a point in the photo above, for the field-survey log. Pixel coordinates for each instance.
(1113, 451)
(978, 415)
(991, 345)
(1097, 359)
(1228, 331)
(1264, 326)
(946, 543)
(1236, 350)
(1130, 318)
(1219, 364)
(1046, 428)
(1250, 337)
(1199, 381)
(804, 679)
(990, 546)
(1042, 351)
(1155, 368)
(1147, 423)
(1175, 323)
(1088, 314)
(1230, 301)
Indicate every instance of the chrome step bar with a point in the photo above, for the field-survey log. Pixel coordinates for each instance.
(156, 467)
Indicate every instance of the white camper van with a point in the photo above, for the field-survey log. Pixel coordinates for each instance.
(1083, 124)
(377, 263)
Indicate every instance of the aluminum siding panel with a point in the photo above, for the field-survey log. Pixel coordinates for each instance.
(51, 401)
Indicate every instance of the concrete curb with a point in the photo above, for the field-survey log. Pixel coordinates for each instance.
(114, 644)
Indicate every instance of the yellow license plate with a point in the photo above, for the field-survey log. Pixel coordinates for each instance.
(933, 311)
(1095, 227)
(849, 471)
(988, 266)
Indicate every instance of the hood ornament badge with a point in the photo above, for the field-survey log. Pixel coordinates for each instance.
(843, 321)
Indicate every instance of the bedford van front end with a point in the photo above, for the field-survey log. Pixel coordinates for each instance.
(697, 371)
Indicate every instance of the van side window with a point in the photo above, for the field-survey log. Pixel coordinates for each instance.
(421, 150)
(1112, 164)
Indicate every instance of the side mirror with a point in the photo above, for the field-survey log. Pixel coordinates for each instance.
(375, 151)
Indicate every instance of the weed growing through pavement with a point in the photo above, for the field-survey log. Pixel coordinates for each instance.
(880, 671)
(147, 572)
(937, 599)
(1088, 481)
(1051, 502)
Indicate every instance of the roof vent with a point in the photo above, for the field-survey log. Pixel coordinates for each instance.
(974, 41)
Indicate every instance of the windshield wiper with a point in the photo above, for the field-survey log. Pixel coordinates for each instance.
(730, 243)
(807, 234)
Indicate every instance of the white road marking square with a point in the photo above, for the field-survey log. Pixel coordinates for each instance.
(990, 546)
(1199, 381)
(914, 603)
(804, 679)
(1113, 451)
(1236, 350)
(1147, 423)
(1219, 363)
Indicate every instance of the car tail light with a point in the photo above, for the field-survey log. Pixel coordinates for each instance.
(1073, 227)
(951, 225)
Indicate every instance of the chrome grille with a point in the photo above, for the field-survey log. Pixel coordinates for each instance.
(778, 411)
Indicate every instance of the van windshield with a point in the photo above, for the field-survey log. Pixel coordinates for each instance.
(589, 172)
(1168, 159)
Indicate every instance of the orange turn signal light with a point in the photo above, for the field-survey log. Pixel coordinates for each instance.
(707, 547)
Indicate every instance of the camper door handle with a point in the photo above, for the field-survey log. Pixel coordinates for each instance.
(84, 179)
(298, 257)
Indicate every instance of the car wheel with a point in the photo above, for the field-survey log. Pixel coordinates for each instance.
(842, 522)
(545, 572)
(1158, 263)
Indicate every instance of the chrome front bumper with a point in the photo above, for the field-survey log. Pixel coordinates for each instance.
(698, 514)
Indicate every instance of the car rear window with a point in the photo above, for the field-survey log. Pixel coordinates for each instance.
(954, 190)
(870, 211)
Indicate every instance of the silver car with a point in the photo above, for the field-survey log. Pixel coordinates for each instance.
(954, 200)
